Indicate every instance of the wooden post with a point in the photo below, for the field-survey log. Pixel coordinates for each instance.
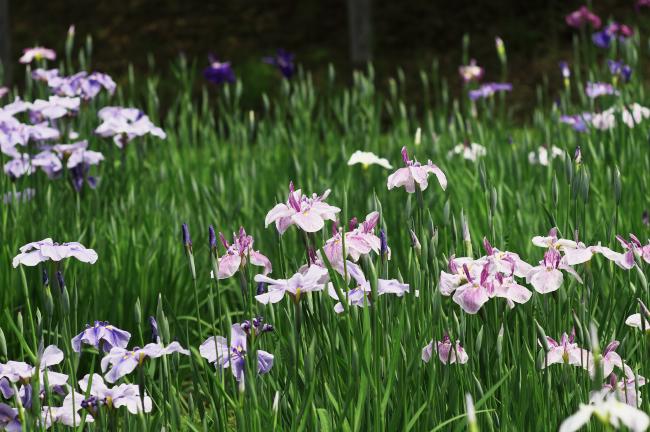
(5, 43)
(360, 29)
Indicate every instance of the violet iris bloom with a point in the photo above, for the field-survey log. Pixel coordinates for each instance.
(217, 350)
(448, 353)
(547, 277)
(311, 280)
(123, 361)
(603, 39)
(218, 72)
(488, 90)
(82, 84)
(579, 122)
(127, 395)
(36, 252)
(283, 61)
(566, 351)
(257, 325)
(582, 16)
(101, 335)
(620, 69)
(37, 53)
(238, 253)
(9, 420)
(413, 173)
(309, 213)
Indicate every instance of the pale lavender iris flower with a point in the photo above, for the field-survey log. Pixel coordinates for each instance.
(448, 353)
(312, 279)
(37, 252)
(123, 361)
(37, 53)
(126, 124)
(231, 354)
(238, 253)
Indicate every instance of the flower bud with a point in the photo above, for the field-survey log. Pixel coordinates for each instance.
(501, 50)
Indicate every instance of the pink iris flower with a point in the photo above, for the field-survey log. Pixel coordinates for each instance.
(448, 353)
(309, 213)
(609, 359)
(633, 248)
(625, 390)
(312, 279)
(582, 16)
(361, 295)
(574, 252)
(547, 276)
(238, 253)
(566, 351)
(413, 173)
(360, 240)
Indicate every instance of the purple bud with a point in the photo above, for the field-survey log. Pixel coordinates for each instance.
(212, 237)
(405, 156)
(312, 255)
(384, 243)
(335, 227)
(187, 241)
(572, 336)
(155, 335)
(261, 288)
(353, 224)
(613, 380)
(60, 280)
(488, 247)
(46, 278)
(645, 218)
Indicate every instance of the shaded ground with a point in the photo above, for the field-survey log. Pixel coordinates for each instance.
(407, 35)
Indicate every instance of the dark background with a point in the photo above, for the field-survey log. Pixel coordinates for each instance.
(406, 34)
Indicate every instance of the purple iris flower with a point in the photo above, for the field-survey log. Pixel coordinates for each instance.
(124, 362)
(9, 419)
(283, 61)
(257, 325)
(620, 69)
(218, 72)
(603, 38)
(489, 89)
(597, 89)
(81, 84)
(564, 68)
(579, 122)
(217, 350)
(102, 336)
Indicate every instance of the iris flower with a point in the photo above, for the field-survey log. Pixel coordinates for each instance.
(582, 16)
(547, 276)
(37, 53)
(448, 353)
(123, 361)
(99, 394)
(415, 173)
(238, 253)
(36, 252)
(101, 335)
(609, 410)
(566, 351)
(309, 213)
(283, 61)
(368, 158)
(232, 355)
(312, 279)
